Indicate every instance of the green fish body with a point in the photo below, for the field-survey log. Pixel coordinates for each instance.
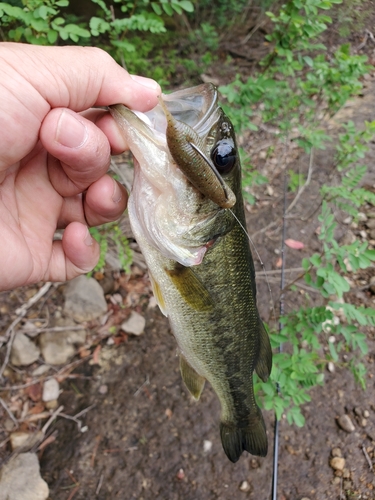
(187, 214)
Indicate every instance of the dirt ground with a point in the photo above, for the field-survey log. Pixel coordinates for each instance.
(147, 439)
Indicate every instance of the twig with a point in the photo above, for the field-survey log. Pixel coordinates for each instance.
(259, 274)
(4, 405)
(73, 492)
(98, 488)
(75, 418)
(367, 458)
(52, 418)
(21, 311)
(36, 331)
(302, 188)
(368, 35)
(146, 382)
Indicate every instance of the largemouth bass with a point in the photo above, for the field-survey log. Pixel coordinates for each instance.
(187, 215)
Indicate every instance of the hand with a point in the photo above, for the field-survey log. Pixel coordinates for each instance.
(54, 155)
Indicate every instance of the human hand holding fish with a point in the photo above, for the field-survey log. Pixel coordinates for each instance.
(54, 156)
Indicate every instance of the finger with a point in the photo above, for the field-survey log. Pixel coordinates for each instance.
(82, 149)
(35, 79)
(77, 253)
(81, 77)
(105, 201)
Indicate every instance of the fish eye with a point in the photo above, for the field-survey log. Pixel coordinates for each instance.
(224, 156)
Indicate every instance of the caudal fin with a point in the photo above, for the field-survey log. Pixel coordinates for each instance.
(251, 438)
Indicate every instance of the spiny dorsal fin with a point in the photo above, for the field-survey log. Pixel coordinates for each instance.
(193, 381)
(191, 288)
(264, 363)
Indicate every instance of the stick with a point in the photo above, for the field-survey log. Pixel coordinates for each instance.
(21, 311)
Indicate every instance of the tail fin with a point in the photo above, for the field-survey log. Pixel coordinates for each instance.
(252, 438)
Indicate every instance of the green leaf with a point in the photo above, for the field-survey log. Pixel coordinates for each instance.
(62, 3)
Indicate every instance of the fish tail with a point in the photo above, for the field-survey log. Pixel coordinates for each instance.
(252, 438)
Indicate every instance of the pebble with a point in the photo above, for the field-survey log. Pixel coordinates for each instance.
(207, 446)
(51, 390)
(336, 452)
(84, 299)
(103, 389)
(337, 463)
(348, 238)
(362, 216)
(371, 224)
(245, 486)
(58, 347)
(358, 411)
(366, 413)
(24, 351)
(18, 438)
(363, 422)
(20, 479)
(345, 423)
(135, 324)
(372, 283)
(348, 220)
(331, 367)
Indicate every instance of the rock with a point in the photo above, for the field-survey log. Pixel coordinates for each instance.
(18, 438)
(348, 238)
(58, 347)
(372, 283)
(331, 367)
(336, 452)
(135, 324)
(345, 423)
(371, 223)
(103, 389)
(20, 479)
(51, 390)
(245, 486)
(337, 463)
(84, 299)
(24, 351)
(207, 446)
(25, 439)
(366, 413)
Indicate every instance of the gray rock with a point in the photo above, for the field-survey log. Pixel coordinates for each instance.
(84, 299)
(24, 351)
(58, 347)
(20, 479)
(51, 390)
(371, 224)
(135, 324)
(345, 423)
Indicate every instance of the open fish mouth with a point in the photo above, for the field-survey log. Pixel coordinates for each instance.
(172, 143)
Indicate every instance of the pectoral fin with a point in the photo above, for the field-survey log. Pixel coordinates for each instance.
(264, 363)
(191, 288)
(158, 295)
(192, 380)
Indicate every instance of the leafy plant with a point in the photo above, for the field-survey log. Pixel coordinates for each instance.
(297, 87)
(111, 233)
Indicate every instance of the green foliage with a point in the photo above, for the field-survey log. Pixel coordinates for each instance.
(111, 233)
(299, 85)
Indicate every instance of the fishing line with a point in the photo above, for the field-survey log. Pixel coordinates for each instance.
(281, 309)
(259, 258)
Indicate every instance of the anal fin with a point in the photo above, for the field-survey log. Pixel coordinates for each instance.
(193, 381)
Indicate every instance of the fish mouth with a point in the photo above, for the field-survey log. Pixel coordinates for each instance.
(197, 107)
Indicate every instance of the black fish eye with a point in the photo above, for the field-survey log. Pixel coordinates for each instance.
(224, 156)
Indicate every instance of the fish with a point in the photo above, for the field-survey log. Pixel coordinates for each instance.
(187, 214)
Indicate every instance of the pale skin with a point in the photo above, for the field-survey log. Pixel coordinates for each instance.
(54, 155)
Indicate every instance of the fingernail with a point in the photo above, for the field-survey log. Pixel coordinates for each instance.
(88, 238)
(117, 193)
(71, 132)
(146, 82)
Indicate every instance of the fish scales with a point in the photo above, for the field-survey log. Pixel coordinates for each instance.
(201, 268)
